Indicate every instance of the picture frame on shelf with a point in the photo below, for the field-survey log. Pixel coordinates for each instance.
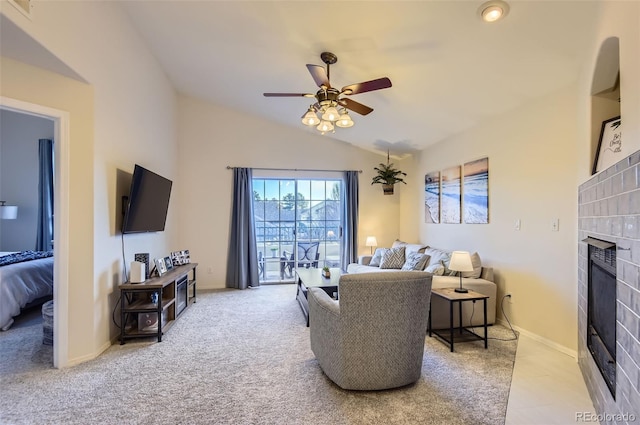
(161, 267)
(609, 149)
(168, 263)
(180, 258)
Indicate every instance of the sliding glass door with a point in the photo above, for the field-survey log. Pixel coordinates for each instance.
(298, 224)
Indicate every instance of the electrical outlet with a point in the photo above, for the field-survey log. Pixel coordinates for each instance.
(509, 298)
(210, 270)
(555, 225)
(517, 224)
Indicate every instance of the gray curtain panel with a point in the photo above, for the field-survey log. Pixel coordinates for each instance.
(350, 220)
(45, 196)
(242, 264)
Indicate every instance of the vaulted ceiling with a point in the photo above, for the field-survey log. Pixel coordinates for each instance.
(450, 70)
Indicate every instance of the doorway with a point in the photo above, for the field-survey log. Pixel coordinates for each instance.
(298, 224)
(60, 221)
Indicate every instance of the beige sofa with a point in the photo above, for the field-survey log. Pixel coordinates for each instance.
(471, 312)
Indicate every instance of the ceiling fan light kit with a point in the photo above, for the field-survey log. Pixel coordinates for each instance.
(328, 98)
(493, 10)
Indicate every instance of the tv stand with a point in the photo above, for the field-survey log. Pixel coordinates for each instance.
(172, 292)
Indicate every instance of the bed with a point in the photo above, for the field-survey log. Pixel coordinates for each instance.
(25, 277)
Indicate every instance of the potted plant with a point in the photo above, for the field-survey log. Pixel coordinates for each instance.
(274, 251)
(326, 272)
(388, 176)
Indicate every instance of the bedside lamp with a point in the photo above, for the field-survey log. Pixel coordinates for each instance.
(8, 212)
(461, 262)
(371, 242)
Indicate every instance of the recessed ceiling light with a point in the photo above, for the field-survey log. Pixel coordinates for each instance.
(494, 10)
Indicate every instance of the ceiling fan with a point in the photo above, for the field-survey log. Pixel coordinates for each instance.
(329, 98)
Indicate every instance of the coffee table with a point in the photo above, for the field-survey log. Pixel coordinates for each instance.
(312, 278)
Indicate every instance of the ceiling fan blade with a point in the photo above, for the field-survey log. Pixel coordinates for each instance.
(288, 95)
(319, 75)
(355, 106)
(380, 83)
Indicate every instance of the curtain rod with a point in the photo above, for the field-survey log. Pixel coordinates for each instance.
(292, 169)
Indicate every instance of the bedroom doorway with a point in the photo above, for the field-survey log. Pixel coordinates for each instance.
(61, 218)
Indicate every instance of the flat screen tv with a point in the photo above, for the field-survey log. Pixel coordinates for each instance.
(146, 208)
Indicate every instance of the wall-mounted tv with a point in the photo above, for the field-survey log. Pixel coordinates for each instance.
(146, 208)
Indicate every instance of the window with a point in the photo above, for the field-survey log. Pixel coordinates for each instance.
(289, 212)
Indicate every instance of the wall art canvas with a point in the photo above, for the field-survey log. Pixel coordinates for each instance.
(450, 195)
(475, 189)
(610, 148)
(432, 197)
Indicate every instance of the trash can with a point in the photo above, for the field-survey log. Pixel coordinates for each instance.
(47, 323)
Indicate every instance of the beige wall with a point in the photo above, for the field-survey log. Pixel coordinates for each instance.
(538, 155)
(130, 118)
(213, 137)
(35, 85)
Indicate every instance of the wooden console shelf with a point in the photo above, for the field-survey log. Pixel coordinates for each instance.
(141, 317)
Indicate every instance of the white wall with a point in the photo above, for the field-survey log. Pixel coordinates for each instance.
(19, 168)
(213, 137)
(134, 121)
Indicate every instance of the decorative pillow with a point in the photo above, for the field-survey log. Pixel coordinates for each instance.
(393, 258)
(447, 271)
(415, 261)
(377, 257)
(437, 269)
(409, 247)
(477, 267)
(438, 255)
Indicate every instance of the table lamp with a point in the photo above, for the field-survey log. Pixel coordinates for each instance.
(8, 212)
(371, 242)
(461, 262)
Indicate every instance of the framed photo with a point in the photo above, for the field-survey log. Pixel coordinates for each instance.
(161, 266)
(450, 195)
(432, 197)
(609, 145)
(179, 258)
(168, 263)
(476, 191)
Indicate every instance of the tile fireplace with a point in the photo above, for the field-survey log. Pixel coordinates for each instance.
(609, 290)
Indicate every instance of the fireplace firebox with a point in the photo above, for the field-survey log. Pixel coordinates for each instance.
(601, 315)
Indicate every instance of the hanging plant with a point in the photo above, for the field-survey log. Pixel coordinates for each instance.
(388, 176)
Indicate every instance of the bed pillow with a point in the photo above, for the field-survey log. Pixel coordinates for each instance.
(477, 267)
(393, 258)
(377, 257)
(415, 261)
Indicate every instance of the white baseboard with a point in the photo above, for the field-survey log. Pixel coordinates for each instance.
(78, 360)
(541, 339)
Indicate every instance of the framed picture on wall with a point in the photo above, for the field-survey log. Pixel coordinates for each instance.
(432, 197)
(609, 145)
(450, 195)
(476, 191)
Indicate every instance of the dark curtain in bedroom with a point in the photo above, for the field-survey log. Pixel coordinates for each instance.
(45, 196)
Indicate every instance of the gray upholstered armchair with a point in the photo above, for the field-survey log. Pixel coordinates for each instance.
(373, 337)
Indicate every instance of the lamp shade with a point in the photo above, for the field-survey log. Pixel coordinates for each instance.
(345, 120)
(460, 261)
(310, 118)
(371, 241)
(8, 212)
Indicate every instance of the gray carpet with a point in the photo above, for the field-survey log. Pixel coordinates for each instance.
(243, 357)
